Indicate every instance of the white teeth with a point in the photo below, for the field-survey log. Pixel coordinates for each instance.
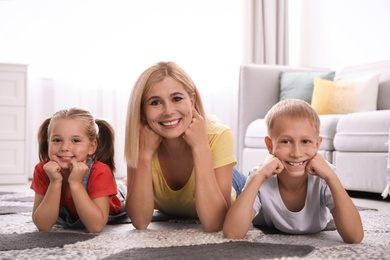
(170, 123)
(295, 164)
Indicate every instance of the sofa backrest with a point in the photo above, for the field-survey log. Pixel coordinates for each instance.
(382, 68)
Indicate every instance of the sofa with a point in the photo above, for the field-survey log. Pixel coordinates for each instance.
(356, 142)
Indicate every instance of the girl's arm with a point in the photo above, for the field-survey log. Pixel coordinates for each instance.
(345, 214)
(93, 213)
(140, 196)
(46, 207)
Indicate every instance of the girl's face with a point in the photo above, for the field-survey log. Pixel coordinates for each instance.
(295, 142)
(68, 141)
(168, 108)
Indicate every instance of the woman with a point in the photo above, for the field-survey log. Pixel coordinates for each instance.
(179, 160)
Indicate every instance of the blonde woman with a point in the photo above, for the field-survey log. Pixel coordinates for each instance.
(179, 160)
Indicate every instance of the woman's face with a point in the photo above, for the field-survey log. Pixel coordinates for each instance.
(168, 108)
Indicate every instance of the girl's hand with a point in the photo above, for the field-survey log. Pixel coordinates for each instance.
(77, 171)
(271, 166)
(53, 171)
(196, 132)
(149, 140)
(318, 166)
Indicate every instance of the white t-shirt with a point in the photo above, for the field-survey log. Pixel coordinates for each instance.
(272, 213)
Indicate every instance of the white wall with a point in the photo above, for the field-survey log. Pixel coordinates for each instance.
(339, 33)
(88, 53)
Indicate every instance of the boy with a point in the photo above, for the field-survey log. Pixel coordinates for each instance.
(294, 189)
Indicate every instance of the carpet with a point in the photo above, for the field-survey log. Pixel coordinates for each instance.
(170, 238)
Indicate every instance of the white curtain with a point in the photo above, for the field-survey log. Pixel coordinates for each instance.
(88, 53)
(267, 32)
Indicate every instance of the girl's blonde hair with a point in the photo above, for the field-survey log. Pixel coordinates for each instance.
(145, 82)
(292, 108)
(98, 129)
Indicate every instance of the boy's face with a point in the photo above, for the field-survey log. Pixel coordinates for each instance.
(294, 142)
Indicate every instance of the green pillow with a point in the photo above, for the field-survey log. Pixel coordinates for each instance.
(300, 84)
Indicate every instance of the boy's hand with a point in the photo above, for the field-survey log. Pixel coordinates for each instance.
(53, 171)
(318, 166)
(271, 166)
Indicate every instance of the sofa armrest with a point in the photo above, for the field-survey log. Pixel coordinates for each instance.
(258, 92)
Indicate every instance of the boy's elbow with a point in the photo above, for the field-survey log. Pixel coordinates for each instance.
(232, 234)
(355, 239)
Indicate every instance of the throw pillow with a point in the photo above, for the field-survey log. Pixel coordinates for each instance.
(300, 84)
(345, 96)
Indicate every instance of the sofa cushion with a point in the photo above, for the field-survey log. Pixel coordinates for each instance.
(363, 132)
(299, 84)
(257, 130)
(345, 96)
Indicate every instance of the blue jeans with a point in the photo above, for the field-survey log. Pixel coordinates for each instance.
(238, 181)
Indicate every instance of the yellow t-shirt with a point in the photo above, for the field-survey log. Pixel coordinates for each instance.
(182, 202)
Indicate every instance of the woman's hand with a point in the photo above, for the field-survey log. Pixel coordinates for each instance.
(196, 133)
(149, 140)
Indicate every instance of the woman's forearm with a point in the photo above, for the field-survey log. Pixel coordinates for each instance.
(212, 201)
(140, 196)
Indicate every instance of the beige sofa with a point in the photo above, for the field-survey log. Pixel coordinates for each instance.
(355, 142)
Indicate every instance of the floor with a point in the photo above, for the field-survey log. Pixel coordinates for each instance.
(362, 200)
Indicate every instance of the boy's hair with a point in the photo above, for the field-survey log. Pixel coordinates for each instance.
(292, 108)
(142, 86)
(98, 129)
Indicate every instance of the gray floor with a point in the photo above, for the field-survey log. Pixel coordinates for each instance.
(380, 205)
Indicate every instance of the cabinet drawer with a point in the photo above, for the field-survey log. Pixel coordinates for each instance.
(12, 155)
(12, 122)
(12, 88)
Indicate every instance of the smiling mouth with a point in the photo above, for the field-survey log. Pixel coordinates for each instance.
(170, 123)
(65, 158)
(296, 163)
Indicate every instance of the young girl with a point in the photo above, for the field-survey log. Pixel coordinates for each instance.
(179, 160)
(74, 183)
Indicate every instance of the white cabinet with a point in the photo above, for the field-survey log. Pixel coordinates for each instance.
(13, 79)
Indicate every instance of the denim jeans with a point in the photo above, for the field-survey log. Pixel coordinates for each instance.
(238, 181)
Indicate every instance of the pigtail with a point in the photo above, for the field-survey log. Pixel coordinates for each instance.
(43, 142)
(105, 148)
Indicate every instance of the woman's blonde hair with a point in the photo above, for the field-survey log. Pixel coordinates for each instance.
(292, 108)
(145, 82)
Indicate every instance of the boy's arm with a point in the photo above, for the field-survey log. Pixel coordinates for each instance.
(241, 213)
(345, 214)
